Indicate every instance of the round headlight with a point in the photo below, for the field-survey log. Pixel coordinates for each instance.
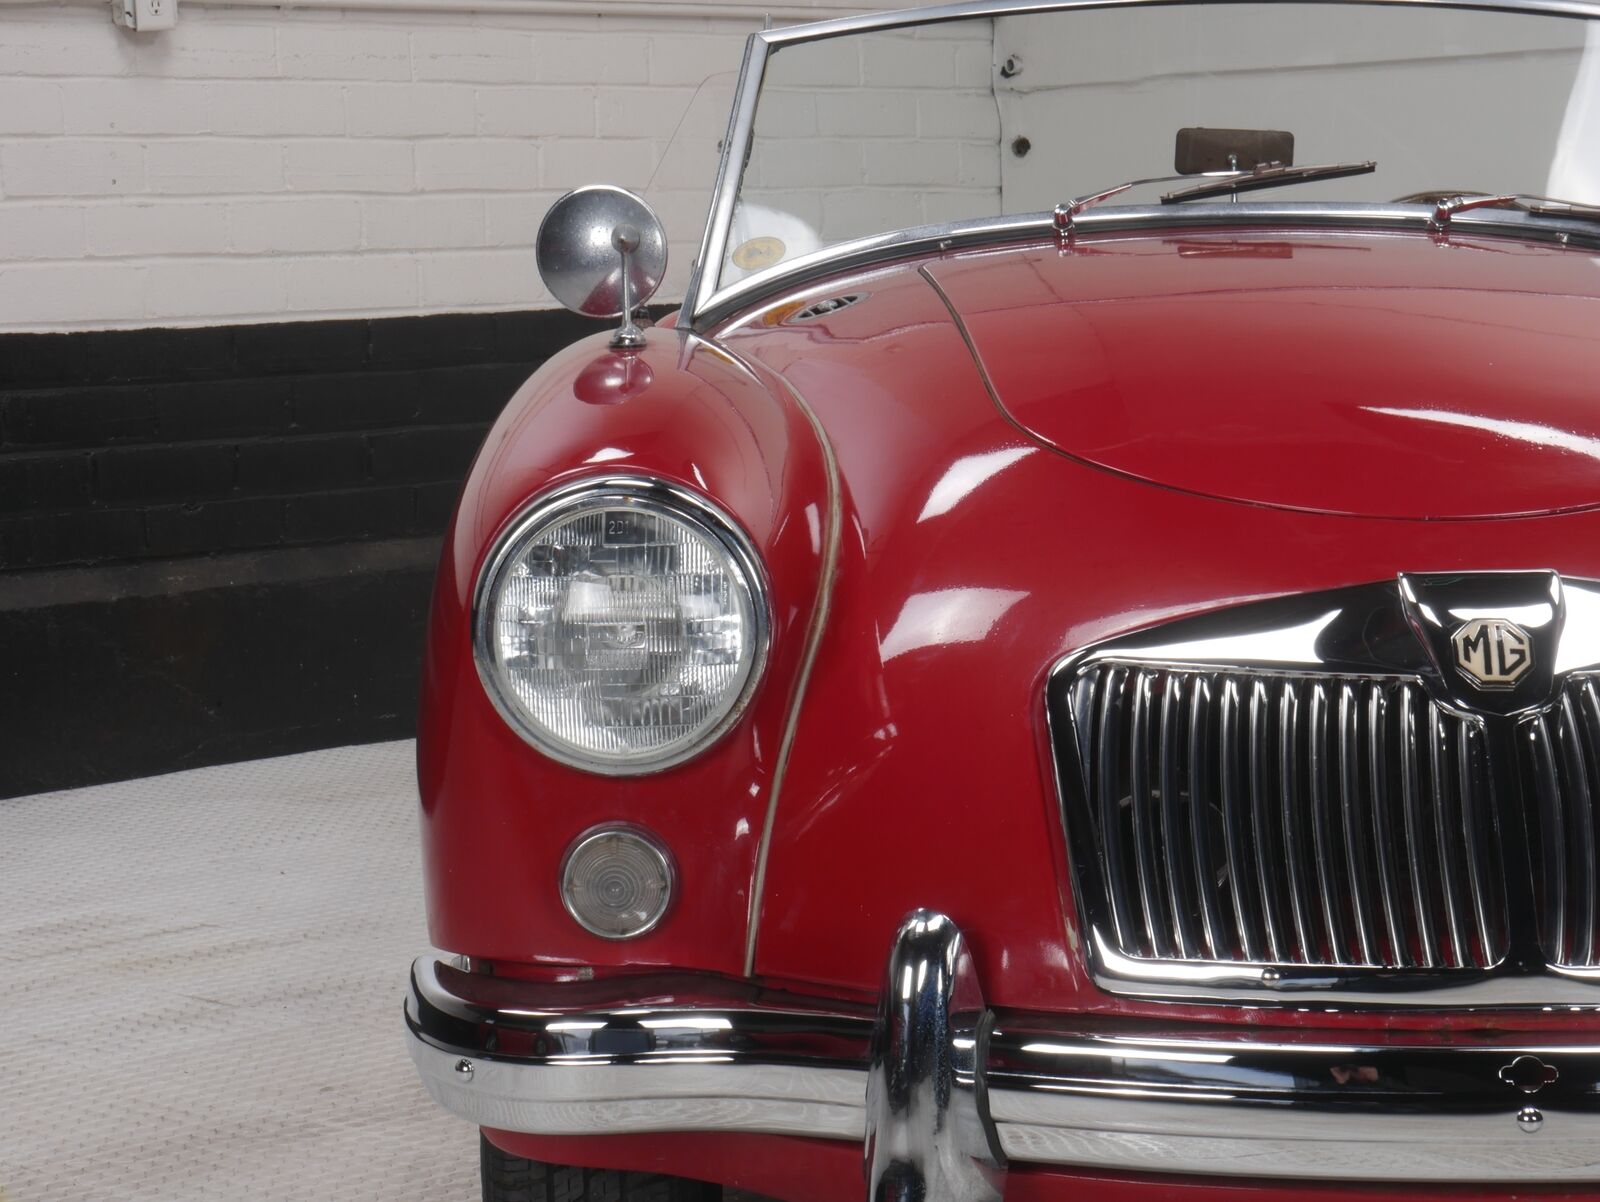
(620, 624)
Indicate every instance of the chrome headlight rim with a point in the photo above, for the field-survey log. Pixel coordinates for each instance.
(684, 505)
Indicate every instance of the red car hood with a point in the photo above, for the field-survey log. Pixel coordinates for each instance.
(1363, 374)
(972, 557)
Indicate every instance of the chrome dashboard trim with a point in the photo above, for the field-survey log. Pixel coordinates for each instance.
(691, 1052)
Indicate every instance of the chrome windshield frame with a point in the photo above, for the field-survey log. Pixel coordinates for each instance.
(1119, 219)
(705, 303)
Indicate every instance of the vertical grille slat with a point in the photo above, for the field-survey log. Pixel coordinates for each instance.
(1552, 850)
(1475, 837)
(1417, 850)
(1173, 828)
(1238, 765)
(1383, 825)
(1350, 810)
(1108, 799)
(1262, 817)
(1200, 749)
(1580, 895)
(1587, 716)
(1314, 820)
(1294, 825)
(1446, 843)
(1324, 837)
(1152, 900)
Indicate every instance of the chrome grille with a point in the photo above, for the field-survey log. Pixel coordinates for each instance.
(1303, 819)
(1561, 752)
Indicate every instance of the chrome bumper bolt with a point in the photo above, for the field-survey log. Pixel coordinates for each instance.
(464, 1069)
(1530, 1118)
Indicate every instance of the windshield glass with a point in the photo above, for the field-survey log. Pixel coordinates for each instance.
(871, 133)
(689, 125)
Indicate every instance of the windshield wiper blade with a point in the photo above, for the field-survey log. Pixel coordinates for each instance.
(1267, 177)
(1218, 183)
(1546, 207)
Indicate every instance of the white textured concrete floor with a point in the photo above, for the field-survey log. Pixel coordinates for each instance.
(200, 987)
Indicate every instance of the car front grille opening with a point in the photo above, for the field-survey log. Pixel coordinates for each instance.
(1298, 819)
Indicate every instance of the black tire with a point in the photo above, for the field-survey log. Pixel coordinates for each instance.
(508, 1178)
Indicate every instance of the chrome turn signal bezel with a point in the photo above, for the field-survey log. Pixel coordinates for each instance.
(651, 846)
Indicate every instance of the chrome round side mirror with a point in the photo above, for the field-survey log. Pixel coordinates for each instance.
(602, 252)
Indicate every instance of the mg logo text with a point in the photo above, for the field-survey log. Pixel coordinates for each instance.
(1492, 652)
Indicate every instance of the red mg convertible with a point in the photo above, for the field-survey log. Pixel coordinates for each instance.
(1070, 667)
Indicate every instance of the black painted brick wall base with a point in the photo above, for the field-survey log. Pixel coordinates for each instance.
(218, 543)
(144, 444)
(185, 663)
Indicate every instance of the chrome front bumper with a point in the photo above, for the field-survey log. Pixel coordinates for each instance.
(942, 1095)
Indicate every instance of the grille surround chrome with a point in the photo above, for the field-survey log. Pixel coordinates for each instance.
(1365, 642)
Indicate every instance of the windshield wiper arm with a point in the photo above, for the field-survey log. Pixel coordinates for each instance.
(1218, 183)
(1447, 205)
(1267, 176)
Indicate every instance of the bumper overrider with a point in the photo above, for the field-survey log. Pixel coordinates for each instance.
(942, 1093)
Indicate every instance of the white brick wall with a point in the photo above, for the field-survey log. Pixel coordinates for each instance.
(861, 135)
(255, 164)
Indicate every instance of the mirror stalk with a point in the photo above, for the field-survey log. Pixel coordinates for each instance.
(626, 239)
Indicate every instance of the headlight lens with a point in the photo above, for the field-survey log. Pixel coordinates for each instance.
(620, 625)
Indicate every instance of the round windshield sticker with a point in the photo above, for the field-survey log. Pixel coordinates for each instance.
(758, 253)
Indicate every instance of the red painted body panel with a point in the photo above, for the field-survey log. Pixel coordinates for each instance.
(1381, 375)
(815, 1170)
(974, 552)
(975, 558)
(497, 816)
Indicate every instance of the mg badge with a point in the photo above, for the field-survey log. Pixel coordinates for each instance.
(1492, 653)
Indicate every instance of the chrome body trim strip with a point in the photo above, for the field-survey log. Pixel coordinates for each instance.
(832, 535)
(1132, 1134)
(613, 1099)
(688, 1052)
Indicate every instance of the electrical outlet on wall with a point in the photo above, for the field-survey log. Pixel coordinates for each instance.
(145, 15)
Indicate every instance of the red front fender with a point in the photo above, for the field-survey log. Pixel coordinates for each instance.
(498, 815)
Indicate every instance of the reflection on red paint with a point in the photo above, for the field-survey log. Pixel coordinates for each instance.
(613, 378)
